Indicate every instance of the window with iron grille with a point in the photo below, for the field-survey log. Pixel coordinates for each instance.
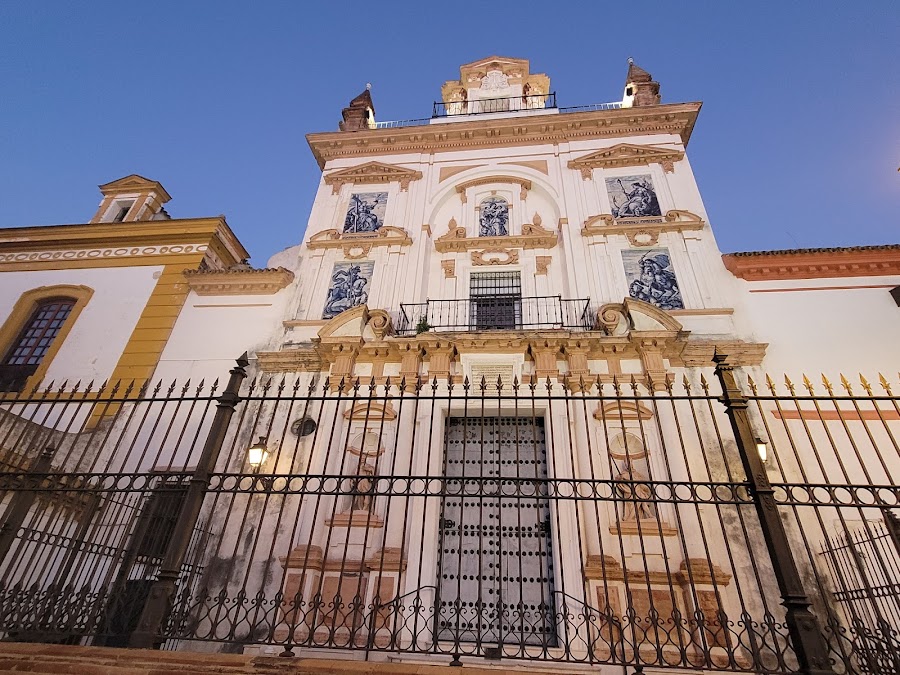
(495, 300)
(33, 342)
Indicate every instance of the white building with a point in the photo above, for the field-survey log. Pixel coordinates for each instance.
(566, 252)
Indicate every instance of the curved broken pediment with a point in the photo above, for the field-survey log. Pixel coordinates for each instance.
(635, 315)
(358, 244)
(456, 240)
(642, 231)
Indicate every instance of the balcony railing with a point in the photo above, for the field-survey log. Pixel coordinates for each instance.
(495, 105)
(495, 313)
(489, 105)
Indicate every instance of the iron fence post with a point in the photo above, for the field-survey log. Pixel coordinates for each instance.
(892, 524)
(21, 502)
(806, 634)
(147, 635)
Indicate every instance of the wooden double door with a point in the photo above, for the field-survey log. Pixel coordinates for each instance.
(496, 564)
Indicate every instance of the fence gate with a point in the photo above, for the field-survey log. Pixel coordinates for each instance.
(496, 576)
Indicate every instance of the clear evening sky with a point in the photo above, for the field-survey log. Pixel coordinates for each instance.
(797, 145)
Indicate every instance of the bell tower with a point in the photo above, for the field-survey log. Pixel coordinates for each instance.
(130, 199)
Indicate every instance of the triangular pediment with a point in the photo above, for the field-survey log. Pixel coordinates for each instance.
(627, 154)
(495, 61)
(135, 183)
(372, 172)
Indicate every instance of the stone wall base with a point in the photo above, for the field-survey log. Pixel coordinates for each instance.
(18, 657)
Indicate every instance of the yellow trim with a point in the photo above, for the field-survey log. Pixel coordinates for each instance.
(24, 308)
(117, 244)
(153, 329)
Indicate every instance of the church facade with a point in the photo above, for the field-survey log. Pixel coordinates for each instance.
(507, 399)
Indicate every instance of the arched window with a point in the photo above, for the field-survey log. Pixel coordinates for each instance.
(34, 332)
(494, 218)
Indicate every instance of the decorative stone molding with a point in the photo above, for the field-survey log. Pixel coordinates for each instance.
(359, 245)
(486, 257)
(524, 183)
(701, 571)
(371, 172)
(615, 411)
(815, 263)
(676, 119)
(635, 315)
(533, 236)
(380, 323)
(542, 264)
(475, 75)
(449, 267)
(355, 519)
(238, 281)
(371, 410)
(295, 359)
(642, 231)
(98, 254)
(626, 154)
(699, 353)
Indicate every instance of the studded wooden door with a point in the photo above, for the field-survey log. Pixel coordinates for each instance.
(496, 575)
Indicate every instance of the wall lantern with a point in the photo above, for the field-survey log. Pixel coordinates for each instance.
(257, 453)
(762, 448)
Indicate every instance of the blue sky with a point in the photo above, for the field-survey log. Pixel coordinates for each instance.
(797, 145)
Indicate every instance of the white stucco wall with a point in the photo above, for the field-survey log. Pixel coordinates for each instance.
(214, 330)
(96, 340)
(850, 325)
(581, 267)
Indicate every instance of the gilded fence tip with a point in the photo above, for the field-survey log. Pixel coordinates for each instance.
(846, 384)
(865, 384)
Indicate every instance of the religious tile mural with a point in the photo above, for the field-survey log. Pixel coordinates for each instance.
(366, 212)
(632, 197)
(651, 277)
(350, 282)
(494, 219)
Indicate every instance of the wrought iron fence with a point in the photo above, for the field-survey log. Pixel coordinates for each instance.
(495, 312)
(493, 105)
(610, 521)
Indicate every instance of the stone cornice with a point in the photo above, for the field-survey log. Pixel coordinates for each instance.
(533, 236)
(677, 119)
(47, 246)
(238, 282)
(296, 359)
(372, 172)
(642, 231)
(626, 154)
(358, 245)
(815, 263)
(699, 353)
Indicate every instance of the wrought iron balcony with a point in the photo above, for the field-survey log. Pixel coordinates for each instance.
(494, 105)
(499, 312)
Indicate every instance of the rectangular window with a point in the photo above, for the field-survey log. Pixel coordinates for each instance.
(158, 518)
(495, 301)
(123, 211)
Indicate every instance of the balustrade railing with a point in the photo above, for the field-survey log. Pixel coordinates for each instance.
(481, 106)
(499, 312)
